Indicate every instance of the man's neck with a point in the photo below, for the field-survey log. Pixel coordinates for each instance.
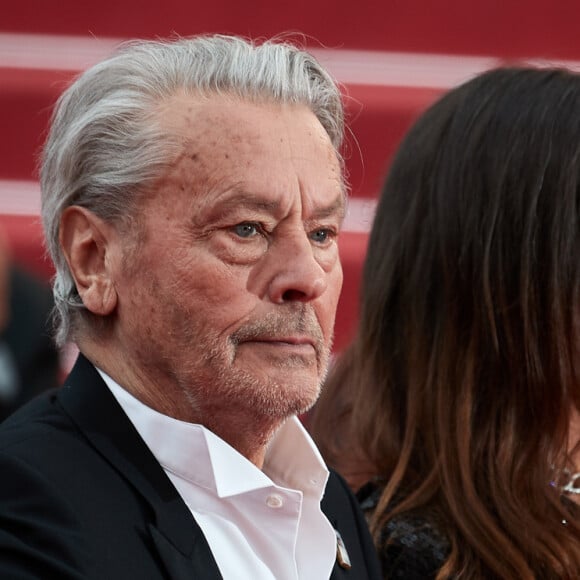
(249, 435)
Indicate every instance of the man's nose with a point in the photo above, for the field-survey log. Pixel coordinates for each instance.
(296, 275)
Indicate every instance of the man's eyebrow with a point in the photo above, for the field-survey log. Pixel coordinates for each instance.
(248, 201)
(337, 207)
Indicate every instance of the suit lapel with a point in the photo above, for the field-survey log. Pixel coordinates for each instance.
(344, 515)
(185, 566)
(175, 533)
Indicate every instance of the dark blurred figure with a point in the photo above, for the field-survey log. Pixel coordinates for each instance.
(458, 400)
(29, 358)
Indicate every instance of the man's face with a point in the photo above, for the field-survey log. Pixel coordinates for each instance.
(230, 296)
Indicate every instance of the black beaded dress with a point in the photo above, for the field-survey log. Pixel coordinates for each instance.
(413, 547)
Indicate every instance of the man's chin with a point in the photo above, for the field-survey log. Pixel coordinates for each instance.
(301, 398)
(281, 399)
(275, 358)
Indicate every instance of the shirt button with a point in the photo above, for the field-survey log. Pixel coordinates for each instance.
(274, 501)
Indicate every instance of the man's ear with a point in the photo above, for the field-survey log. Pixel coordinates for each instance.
(88, 244)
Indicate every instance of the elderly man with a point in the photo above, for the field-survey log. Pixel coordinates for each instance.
(192, 196)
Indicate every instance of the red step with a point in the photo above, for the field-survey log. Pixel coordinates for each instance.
(511, 28)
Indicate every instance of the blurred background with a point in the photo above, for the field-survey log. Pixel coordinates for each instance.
(393, 58)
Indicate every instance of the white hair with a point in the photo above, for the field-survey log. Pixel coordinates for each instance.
(104, 149)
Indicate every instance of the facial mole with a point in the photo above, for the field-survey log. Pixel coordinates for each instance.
(227, 155)
(193, 156)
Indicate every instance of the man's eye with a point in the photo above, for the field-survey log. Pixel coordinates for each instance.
(321, 236)
(246, 229)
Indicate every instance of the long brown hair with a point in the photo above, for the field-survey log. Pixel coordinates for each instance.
(460, 384)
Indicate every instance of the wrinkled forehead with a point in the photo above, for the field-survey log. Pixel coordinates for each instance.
(222, 133)
(225, 121)
(183, 113)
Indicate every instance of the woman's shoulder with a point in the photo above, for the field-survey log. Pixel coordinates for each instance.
(412, 544)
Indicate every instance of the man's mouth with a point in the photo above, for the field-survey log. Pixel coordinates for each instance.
(298, 343)
(297, 335)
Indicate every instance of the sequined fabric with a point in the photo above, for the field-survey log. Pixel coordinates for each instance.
(412, 548)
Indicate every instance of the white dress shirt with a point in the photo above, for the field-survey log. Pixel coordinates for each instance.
(260, 524)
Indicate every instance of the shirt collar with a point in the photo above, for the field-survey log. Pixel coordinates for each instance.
(196, 454)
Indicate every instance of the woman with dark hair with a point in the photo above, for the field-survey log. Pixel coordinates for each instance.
(458, 399)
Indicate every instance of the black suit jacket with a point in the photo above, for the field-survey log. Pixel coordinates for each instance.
(81, 496)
